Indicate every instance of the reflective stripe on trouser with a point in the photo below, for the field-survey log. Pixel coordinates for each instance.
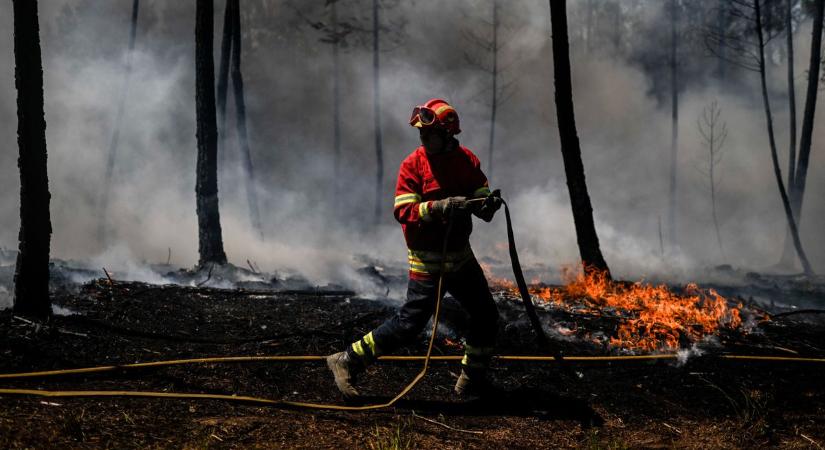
(429, 262)
(477, 357)
(468, 286)
(365, 348)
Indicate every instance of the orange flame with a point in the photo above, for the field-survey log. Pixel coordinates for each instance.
(651, 317)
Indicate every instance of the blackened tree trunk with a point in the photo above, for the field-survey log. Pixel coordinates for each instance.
(210, 240)
(240, 109)
(798, 188)
(674, 129)
(31, 276)
(223, 80)
(810, 107)
(113, 143)
(588, 241)
(806, 266)
(376, 87)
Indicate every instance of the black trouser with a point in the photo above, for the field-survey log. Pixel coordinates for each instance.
(469, 287)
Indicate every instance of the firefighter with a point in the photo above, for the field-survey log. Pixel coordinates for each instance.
(434, 185)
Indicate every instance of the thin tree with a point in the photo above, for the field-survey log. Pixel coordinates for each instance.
(806, 266)
(586, 236)
(791, 91)
(490, 62)
(31, 275)
(674, 120)
(113, 143)
(210, 240)
(376, 102)
(714, 133)
(810, 108)
(494, 93)
(787, 252)
(335, 40)
(797, 179)
(746, 44)
(240, 122)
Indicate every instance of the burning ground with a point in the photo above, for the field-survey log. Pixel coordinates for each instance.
(697, 401)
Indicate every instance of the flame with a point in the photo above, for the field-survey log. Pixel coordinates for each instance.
(651, 318)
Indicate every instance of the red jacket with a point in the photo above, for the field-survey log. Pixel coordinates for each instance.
(423, 178)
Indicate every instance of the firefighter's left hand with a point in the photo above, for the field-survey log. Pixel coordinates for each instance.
(491, 204)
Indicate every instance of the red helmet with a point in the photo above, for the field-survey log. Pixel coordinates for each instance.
(436, 113)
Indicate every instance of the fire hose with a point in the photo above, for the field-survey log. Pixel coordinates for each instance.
(541, 338)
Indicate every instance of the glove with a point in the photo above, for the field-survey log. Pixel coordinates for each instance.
(443, 208)
(491, 204)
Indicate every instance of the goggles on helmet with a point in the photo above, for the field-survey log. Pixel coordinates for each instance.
(422, 116)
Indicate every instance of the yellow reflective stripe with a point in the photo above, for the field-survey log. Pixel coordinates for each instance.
(477, 357)
(423, 261)
(371, 342)
(483, 191)
(442, 109)
(424, 211)
(426, 256)
(358, 348)
(422, 267)
(403, 199)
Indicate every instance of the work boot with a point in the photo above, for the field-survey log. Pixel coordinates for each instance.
(345, 369)
(472, 382)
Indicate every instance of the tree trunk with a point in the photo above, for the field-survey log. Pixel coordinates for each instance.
(336, 106)
(210, 241)
(31, 276)
(102, 234)
(223, 80)
(494, 103)
(791, 94)
(674, 129)
(798, 188)
(240, 110)
(586, 237)
(712, 175)
(806, 266)
(787, 251)
(379, 152)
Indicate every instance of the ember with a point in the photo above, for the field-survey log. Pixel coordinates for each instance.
(652, 318)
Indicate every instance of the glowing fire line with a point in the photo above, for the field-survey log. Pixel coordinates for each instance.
(652, 317)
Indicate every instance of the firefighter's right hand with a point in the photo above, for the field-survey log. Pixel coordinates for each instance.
(451, 205)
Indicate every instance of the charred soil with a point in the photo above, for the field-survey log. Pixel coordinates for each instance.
(701, 403)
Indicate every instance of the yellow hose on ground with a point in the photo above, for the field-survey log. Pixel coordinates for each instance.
(315, 358)
(272, 402)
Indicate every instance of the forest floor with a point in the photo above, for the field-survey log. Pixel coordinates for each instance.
(704, 402)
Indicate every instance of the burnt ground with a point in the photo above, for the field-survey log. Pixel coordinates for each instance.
(704, 403)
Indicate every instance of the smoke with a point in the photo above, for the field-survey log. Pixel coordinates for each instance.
(321, 227)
